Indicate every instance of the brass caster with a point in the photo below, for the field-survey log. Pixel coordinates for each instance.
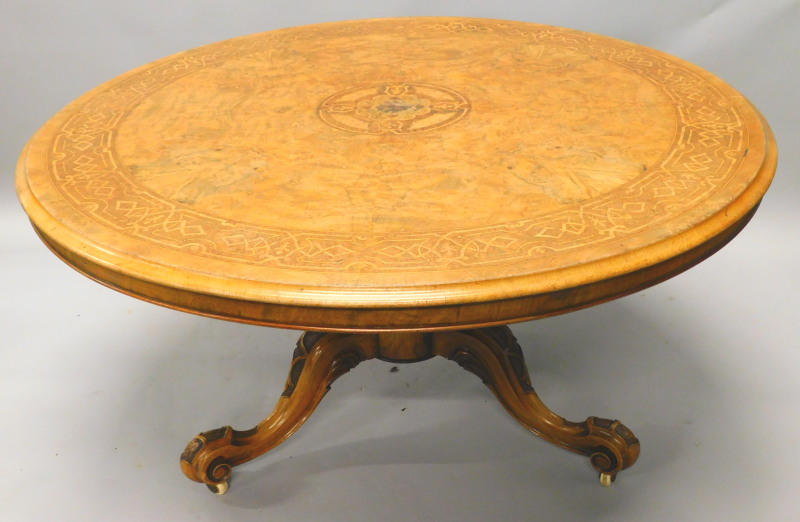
(606, 479)
(219, 489)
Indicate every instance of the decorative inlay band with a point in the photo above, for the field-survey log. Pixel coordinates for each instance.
(711, 141)
(393, 108)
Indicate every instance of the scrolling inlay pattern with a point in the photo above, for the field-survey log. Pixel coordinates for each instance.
(712, 138)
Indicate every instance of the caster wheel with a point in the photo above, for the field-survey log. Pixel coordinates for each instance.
(606, 479)
(219, 489)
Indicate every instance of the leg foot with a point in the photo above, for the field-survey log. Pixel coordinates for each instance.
(318, 360)
(494, 355)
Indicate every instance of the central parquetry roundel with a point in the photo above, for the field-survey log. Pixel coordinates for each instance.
(393, 108)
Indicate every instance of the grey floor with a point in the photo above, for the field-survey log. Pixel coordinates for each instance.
(101, 392)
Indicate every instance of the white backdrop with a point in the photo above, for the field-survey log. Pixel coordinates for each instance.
(101, 392)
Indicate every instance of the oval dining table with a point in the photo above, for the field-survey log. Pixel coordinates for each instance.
(398, 189)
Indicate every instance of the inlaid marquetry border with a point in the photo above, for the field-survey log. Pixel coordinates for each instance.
(712, 140)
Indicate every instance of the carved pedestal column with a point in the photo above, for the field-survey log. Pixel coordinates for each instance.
(490, 353)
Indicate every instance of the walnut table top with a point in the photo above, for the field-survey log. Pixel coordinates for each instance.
(397, 174)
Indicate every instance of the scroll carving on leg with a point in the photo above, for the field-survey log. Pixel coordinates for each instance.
(494, 355)
(318, 360)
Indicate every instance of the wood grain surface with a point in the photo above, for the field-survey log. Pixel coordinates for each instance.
(397, 174)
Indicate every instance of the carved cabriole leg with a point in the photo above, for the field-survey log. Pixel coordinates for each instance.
(494, 355)
(491, 353)
(318, 360)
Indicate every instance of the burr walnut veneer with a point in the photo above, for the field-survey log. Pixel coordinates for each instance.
(400, 188)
